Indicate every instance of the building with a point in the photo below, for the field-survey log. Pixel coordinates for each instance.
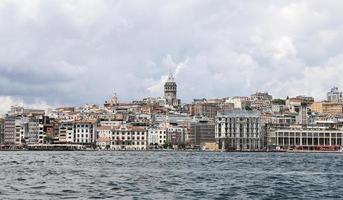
(261, 101)
(305, 138)
(327, 107)
(21, 130)
(239, 102)
(9, 130)
(66, 132)
(2, 121)
(35, 129)
(205, 109)
(176, 135)
(112, 102)
(84, 132)
(170, 92)
(201, 132)
(126, 137)
(157, 136)
(334, 95)
(103, 137)
(238, 131)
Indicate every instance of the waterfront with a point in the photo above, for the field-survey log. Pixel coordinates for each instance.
(169, 175)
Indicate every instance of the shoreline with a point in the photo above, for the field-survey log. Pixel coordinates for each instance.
(170, 150)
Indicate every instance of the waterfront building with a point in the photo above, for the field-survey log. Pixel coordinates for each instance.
(201, 132)
(305, 138)
(9, 130)
(176, 135)
(35, 129)
(21, 130)
(238, 130)
(157, 136)
(103, 137)
(80, 132)
(2, 121)
(66, 132)
(84, 132)
(334, 95)
(127, 137)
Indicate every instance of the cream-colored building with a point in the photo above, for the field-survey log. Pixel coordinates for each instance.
(103, 137)
(127, 137)
(327, 107)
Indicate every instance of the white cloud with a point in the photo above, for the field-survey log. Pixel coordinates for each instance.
(8, 101)
(76, 52)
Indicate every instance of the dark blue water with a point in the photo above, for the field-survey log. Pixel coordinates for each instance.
(170, 175)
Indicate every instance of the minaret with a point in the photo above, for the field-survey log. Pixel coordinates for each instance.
(170, 89)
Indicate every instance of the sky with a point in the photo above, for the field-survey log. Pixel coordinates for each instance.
(73, 52)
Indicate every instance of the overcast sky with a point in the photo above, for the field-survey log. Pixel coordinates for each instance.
(55, 53)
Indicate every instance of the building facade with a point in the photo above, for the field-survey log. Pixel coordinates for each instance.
(305, 138)
(103, 137)
(170, 91)
(84, 132)
(157, 136)
(334, 95)
(238, 131)
(2, 121)
(127, 137)
(9, 130)
(201, 132)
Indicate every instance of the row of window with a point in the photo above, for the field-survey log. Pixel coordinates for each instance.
(128, 138)
(128, 133)
(298, 134)
(132, 143)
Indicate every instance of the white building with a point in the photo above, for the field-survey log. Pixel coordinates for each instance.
(84, 132)
(238, 131)
(239, 102)
(334, 95)
(21, 130)
(66, 132)
(305, 138)
(157, 136)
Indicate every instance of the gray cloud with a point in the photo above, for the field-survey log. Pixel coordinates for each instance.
(76, 52)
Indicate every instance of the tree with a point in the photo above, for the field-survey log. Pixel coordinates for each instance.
(47, 139)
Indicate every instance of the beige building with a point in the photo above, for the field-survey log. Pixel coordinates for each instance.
(126, 137)
(103, 137)
(327, 107)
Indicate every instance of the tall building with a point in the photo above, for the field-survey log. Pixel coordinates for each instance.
(170, 91)
(239, 131)
(1, 131)
(201, 131)
(334, 95)
(9, 130)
